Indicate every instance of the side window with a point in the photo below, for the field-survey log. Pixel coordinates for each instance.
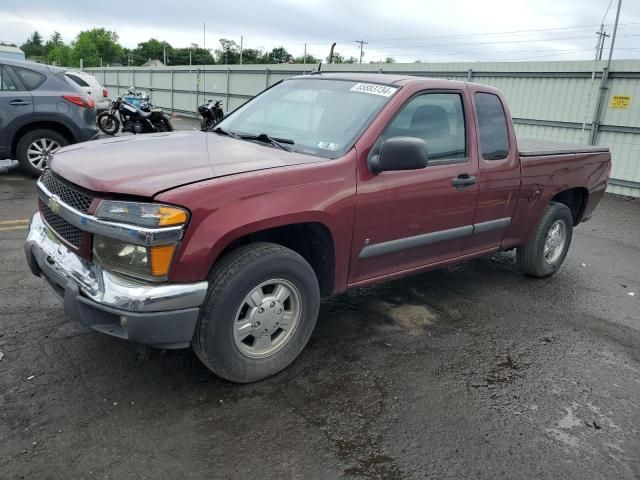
(76, 79)
(31, 79)
(494, 135)
(437, 118)
(6, 82)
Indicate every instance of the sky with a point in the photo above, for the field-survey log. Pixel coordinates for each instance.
(407, 30)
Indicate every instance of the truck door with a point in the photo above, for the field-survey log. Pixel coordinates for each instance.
(409, 219)
(499, 172)
(15, 103)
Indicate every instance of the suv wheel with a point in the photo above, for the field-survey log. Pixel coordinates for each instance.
(35, 149)
(259, 313)
(544, 253)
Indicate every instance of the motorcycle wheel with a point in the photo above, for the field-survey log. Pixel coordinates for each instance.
(108, 123)
(163, 125)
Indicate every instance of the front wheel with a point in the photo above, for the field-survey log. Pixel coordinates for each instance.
(259, 313)
(162, 124)
(542, 256)
(108, 123)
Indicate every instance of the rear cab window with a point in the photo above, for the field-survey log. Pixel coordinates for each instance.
(438, 119)
(492, 123)
(30, 79)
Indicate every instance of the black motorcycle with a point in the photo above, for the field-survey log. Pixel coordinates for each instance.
(133, 119)
(211, 114)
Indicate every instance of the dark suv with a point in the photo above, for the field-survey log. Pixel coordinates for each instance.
(40, 111)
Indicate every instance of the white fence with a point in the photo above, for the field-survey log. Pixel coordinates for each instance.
(554, 100)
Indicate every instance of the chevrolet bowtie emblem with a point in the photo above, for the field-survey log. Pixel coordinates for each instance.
(53, 205)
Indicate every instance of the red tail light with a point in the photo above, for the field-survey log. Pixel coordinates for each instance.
(105, 93)
(80, 100)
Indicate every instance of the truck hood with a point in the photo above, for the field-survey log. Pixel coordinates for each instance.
(144, 165)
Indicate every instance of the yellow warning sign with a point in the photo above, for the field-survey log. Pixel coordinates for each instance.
(621, 102)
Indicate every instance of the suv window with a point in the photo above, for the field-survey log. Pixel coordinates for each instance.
(77, 80)
(6, 82)
(31, 79)
(437, 118)
(494, 135)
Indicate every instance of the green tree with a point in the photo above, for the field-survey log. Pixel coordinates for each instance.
(279, 55)
(339, 58)
(152, 49)
(228, 53)
(60, 55)
(54, 41)
(389, 60)
(33, 47)
(253, 55)
(96, 46)
(308, 59)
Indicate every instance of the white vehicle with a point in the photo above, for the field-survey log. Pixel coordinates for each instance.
(90, 84)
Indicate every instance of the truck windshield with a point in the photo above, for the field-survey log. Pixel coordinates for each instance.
(314, 116)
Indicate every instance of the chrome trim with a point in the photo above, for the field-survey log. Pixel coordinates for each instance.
(120, 231)
(105, 287)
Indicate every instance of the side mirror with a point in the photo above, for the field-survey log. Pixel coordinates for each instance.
(399, 153)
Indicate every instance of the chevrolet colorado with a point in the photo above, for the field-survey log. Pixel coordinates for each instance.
(226, 241)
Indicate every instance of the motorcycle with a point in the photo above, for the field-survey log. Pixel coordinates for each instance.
(143, 119)
(211, 114)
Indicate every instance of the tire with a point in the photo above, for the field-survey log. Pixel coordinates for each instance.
(162, 124)
(216, 341)
(34, 150)
(108, 123)
(537, 261)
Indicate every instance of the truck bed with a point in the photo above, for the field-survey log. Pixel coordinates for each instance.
(529, 147)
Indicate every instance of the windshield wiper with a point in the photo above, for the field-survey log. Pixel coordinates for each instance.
(225, 132)
(264, 138)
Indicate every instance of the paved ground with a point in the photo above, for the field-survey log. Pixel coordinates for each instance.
(466, 372)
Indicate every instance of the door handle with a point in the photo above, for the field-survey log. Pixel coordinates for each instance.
(18, 102)
(463, 180)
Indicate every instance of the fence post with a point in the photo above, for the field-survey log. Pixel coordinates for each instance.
(266, 79)
(118, 82)
(228, 88)
(172, 78)
(595, 124)
(469, 74)
(133, 73)
(197, 85)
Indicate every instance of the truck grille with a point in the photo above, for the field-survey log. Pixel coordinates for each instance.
(63, 228)
(73, 196)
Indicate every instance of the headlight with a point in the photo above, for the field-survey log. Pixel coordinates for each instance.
(151, 215)
(150, 263)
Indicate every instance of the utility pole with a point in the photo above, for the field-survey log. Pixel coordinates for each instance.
(595, 124)
(362, 43)
(600, 43)
(204, 60)
(164, 53)
(241, 40)
(304, 57)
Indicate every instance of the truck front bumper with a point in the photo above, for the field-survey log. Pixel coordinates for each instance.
(159, 315)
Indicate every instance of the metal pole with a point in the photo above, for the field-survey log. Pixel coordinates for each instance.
(304, 58)
(164, 53)
(593, 135)
(228, 81)
(241, 43)
(204, 47)
(172, 82)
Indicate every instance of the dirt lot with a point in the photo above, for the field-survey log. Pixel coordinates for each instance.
(466, 372)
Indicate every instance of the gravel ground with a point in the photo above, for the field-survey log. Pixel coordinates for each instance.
(472, 371)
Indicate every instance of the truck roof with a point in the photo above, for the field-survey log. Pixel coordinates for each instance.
(382, 78)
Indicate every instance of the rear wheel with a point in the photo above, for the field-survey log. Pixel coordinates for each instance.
(543, 255)
(260, 311)
(35, 149)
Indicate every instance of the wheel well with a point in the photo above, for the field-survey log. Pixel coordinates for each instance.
(575, 199)
(22, 131)
(313, 241)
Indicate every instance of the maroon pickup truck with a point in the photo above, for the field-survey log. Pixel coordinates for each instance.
(226, 241)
